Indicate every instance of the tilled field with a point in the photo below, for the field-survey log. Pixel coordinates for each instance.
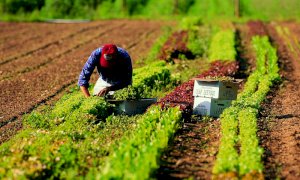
(39, 60)
(43, 59)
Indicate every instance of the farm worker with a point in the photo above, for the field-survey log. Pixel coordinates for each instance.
(114, 68)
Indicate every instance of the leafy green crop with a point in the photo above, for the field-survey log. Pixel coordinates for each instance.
(35, 153)
(147, 80)
(222, 46)
(52, 117)
(199, 40)
(244, 113)
(135, 157)
(227, 159)
(72, 139)
(251, 153)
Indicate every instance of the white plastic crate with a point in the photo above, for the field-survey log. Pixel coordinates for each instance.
(209, 106)
(132, 107)
(226, 90)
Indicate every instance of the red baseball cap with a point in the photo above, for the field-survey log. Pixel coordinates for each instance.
(109, 51)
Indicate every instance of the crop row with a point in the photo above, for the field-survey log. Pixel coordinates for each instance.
(147, 80)
(79, 138)
(36, 153)
(69, 138)
(226, 66)
(136, 156)
(242, 116)
(222, 46)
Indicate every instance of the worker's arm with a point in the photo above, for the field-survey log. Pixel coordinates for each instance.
(87, 70)
(85, 91)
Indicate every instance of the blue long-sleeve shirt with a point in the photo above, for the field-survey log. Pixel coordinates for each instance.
(120, 75)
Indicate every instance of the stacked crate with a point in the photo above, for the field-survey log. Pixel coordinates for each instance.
(211, 97)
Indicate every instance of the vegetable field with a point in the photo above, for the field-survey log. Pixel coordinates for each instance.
(48, 130)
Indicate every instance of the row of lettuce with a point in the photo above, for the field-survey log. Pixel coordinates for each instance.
(70, 139)
(239, 122)
(81, 137)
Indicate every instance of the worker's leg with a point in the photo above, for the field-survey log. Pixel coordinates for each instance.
(100, 84)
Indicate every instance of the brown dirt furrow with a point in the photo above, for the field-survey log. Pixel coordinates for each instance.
(144, 37)
(33, 36)
(42, 41)
(134, 43)
(280, 121)
(24, 92)
(11, 27)
(143, 46)
(193, 152)
(44, 56)
(16, 31)
(245, 52)
(33, 30)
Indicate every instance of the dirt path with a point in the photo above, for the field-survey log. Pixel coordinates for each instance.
(16, 31)
(47, 78)
(280, 122)
(193, 152)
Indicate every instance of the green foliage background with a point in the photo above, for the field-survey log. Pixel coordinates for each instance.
(103, 9)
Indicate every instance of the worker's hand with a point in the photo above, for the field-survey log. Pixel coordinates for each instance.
(85, 91)
(104, 91)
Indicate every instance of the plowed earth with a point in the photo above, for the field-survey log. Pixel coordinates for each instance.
(39, 60)
(280, 121)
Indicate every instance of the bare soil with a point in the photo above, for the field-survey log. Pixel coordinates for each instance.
(40, 74)
(39, 38)
(280, 121)
(192, 152)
